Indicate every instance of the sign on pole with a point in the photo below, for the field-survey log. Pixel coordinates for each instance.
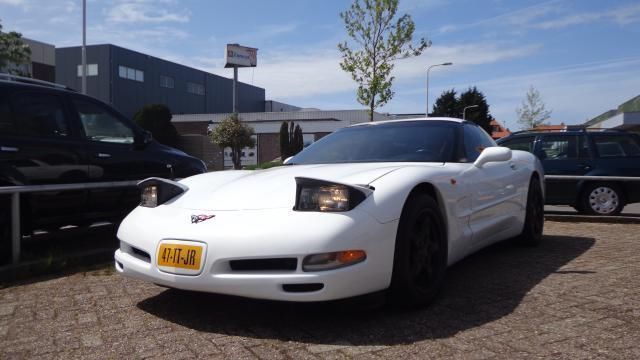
(240, 56)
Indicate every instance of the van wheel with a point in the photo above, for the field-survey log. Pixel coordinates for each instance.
(602, 199)
(420, 258)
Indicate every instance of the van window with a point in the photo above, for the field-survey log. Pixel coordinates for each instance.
(100, 124)
(616, 146)
(34, 114)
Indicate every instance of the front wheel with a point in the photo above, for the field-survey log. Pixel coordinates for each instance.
(534, 218)
(420, 258)
(602, 199)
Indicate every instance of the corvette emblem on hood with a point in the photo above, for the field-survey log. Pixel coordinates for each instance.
(200, 218)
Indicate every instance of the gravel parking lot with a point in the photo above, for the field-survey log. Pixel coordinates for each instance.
(575, 296)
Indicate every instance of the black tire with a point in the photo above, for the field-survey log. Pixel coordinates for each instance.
(534, 219)
(602, 199)
(420, 258)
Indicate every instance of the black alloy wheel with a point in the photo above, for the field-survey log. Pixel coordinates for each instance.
(420, 258)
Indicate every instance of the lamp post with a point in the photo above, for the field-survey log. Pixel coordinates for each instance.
(464, 111)
(84, 47)
(429, 68)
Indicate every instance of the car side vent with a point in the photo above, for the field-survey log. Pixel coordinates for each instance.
(301, 288)
(287, 264)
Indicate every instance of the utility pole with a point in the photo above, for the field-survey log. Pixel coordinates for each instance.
(84, 47)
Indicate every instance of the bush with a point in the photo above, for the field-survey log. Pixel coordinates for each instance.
(156, 118)
(232, 133)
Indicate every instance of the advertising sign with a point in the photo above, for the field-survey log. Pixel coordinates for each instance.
(240, 56)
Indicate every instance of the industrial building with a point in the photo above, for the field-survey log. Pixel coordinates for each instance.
(42, 63)
(314, 123)
(128, 80)
(626, 116)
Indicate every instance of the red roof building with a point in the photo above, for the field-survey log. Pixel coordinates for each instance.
(498, 131)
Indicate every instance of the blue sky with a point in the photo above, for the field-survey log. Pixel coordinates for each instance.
(582, 55)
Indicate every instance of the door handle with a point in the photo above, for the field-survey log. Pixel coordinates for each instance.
(8, 149)
(585, 166)
(103, 155)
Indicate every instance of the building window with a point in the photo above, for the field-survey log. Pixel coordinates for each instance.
(167, 82)
(92, 70)
(194, 88)
(131, 74)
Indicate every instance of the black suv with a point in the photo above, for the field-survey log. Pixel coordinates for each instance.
(52, 135)
(608, 152)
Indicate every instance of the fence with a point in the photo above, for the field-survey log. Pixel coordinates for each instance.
(15, 192)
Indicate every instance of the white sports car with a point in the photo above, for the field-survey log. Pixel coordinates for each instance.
(376, 206)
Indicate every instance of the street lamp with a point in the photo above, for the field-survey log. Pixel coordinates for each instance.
(464, 111)
(429, 68)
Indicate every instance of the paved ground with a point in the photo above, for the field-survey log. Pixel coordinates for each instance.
(575, 296)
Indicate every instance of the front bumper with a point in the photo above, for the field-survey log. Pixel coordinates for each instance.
(261, 234)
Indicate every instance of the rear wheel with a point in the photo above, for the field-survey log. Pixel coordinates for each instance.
(534, 218)
(602, 199)
(420, 258)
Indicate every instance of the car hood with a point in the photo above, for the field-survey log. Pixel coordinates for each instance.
(271, 188)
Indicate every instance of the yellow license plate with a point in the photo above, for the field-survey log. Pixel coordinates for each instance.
(180, 256)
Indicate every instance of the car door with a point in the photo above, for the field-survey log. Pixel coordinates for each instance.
(563, 154)
(113, 156)
(39, 146)
(493, 191)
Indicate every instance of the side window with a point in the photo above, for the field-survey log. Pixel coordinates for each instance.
(557, 147)
(36, 115)
(523, 143)
(476, 140)
(616, 146)
(100, 124)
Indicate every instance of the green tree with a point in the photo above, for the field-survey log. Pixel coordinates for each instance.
(156, 118)
(297, 141)
(232, 133)
(446, 105)
(284, 141)
(479, 115)
(533, 112)
(378, 38)
(13, 52)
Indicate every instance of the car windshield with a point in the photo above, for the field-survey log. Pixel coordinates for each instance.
(412, 141)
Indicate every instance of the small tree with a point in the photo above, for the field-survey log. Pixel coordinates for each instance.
(284, 141)
(232, 133)
(533, 112)
(380, 41)
(298, 142)
(156, 118)
(13, 52)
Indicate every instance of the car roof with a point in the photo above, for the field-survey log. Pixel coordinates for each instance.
(566, 132)
(9, 81)
(453, 120)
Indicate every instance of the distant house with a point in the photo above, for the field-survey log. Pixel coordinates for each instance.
(498, 131)
(626, 116)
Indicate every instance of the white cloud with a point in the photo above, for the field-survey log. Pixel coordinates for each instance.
(145, 12)
(622, 15)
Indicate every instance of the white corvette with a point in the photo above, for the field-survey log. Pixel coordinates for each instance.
(375, 206)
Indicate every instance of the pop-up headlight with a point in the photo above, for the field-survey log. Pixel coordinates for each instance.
(324, 196)
(157, 191)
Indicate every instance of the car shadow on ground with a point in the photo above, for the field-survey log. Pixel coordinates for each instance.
(480, 289)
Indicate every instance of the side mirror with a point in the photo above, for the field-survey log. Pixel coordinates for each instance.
(143, 139)
(493, 154)
(287, 160)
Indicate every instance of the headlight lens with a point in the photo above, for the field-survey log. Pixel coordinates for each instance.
(157, 191)
(324, 196)
(149, 196)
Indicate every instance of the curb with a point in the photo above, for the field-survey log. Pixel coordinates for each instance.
(593, 219)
